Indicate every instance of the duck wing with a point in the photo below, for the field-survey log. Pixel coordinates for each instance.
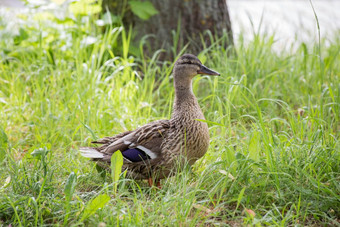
(136, 146)
(109, 140)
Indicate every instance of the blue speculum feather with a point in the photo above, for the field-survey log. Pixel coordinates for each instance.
(135, 155)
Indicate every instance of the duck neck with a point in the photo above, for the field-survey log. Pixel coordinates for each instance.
(185, 99)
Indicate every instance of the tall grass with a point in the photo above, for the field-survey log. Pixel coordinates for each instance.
(274, 152)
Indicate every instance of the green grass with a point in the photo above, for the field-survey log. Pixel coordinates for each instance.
(274, 130)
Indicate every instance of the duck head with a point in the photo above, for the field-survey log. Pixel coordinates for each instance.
(188, 66)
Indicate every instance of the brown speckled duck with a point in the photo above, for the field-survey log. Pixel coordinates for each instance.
(154, 150)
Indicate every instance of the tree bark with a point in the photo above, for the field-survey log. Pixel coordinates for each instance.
(182, 22)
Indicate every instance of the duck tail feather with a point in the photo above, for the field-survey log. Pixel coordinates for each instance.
(90, 152)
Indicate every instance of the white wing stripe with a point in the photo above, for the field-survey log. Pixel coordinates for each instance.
(147, 151)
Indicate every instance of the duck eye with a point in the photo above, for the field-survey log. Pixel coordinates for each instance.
(188, 62)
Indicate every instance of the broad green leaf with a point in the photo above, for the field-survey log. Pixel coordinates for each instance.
(70, 186)
(240, 196)
(144, 10)
(95, 204)
(116, 165)
(255, 146)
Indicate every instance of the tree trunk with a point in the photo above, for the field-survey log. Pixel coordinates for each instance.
(182, 22)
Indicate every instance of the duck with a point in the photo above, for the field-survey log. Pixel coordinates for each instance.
(160, 149)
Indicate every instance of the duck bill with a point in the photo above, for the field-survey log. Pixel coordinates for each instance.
(206, 71)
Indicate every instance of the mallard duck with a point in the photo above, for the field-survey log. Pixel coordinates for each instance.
(155, 150)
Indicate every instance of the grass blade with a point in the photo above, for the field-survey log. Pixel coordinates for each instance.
(3, 144)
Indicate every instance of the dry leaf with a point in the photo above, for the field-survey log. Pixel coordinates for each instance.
(231, 176)
(7, 181)
(202, 208)
(227, 174)
(102, 224)
(223, 172)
